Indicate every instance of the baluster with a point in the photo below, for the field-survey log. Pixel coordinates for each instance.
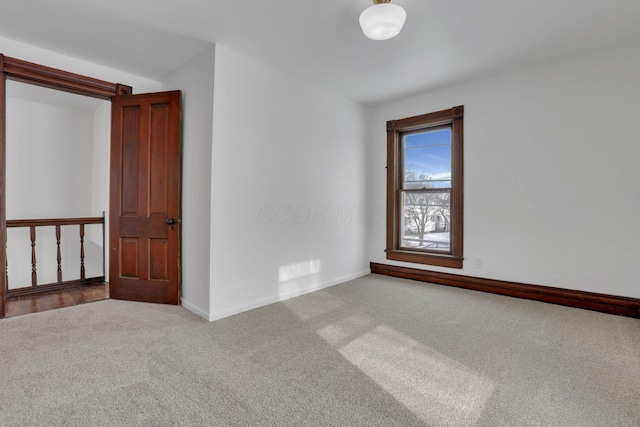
(6, 269)
(59, 254)
(104, 248)
(82, 251)
(34, 274)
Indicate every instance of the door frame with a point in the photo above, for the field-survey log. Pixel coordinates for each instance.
(52, 78)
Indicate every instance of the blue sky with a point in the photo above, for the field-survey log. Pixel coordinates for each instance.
(429, 153)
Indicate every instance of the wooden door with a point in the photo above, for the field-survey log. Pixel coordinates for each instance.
(145, 211)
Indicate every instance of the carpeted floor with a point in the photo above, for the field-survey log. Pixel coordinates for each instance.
(375, 351)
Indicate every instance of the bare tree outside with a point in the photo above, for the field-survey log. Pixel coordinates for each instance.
(426, 210)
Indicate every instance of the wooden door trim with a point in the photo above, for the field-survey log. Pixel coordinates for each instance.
(52, 78)
(3, 163)
(36, 74)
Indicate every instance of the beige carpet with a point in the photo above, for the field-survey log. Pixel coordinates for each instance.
(375, 351)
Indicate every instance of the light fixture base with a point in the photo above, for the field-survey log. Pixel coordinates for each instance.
(381, 1)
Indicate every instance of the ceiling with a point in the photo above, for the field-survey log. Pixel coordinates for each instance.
(443, 41)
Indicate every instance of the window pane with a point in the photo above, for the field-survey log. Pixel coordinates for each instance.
(426, 219)
(427, 159)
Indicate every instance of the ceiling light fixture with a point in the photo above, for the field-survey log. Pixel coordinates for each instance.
(383, 20)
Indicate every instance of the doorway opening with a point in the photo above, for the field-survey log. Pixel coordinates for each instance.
(57, 191)
(16, 70)
(144, 161)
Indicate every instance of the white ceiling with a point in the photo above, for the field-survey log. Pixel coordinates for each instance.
(444, 41)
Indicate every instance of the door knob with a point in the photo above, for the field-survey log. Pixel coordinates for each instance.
(171, 221)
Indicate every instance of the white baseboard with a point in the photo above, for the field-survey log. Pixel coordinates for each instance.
(194, 309)
(277, 298)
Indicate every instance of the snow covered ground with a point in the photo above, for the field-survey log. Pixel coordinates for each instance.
(438, 241)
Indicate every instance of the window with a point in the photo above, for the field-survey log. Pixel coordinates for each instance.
(425, 188)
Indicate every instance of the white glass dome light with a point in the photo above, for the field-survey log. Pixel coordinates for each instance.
(383, 20)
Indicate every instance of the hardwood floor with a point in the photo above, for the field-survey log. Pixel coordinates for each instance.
(17, 306)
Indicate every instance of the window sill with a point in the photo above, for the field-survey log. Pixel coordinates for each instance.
(425, 258)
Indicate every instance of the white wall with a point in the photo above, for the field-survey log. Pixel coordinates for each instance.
(43, 179)
(100, 169)
(288, 187)
(100, 159)
(49, 158)
(551, 172)
(195, 79)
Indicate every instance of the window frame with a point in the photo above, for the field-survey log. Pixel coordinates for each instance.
(452, 117)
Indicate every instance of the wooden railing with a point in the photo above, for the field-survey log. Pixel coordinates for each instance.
(33, 224)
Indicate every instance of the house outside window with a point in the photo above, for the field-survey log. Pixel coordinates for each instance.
(425, 188)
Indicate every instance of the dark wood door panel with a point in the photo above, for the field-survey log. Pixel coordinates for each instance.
(159, 259)
(138, 290)
(145, 198)
(129, 256)
(155, 226)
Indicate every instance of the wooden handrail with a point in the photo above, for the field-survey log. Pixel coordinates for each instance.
(53, 221)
